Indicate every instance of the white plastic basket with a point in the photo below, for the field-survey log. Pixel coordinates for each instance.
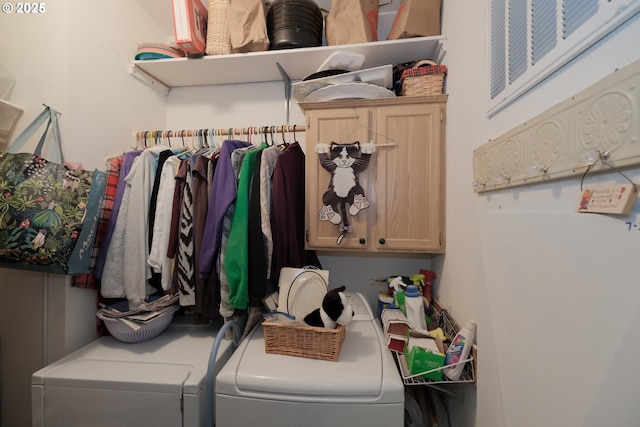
(123, 332)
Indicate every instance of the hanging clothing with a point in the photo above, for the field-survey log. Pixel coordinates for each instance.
(223, 194)
(178, 192)
(155, 279)
(158, 260)
(185, 271)
(227, 310)
(287, 213)
(216, 227)
(140, 181)
(267, 165)
(237, 251)
(257, 253)
(126, 261)
(89, 280)
(112, 284)
(207, 301)
(127, 162)
(163, 156)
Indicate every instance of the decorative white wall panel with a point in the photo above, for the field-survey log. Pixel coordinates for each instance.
(603, 119)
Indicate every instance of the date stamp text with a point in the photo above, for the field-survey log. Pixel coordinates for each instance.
(24, 8)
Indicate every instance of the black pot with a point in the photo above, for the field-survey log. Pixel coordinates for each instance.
(324, 73)
(294, 24)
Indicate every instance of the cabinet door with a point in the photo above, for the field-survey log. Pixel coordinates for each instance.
(409, 215)
(341, 125)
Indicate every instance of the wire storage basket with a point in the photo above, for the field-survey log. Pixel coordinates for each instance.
(450, 329)
(301, 340)
(425, 78)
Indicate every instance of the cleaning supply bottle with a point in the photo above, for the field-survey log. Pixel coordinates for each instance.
(429, 276)
(397, 287)
(415, 308)
(459, 350)
(418, 279)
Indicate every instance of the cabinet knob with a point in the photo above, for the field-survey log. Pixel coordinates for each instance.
(382, 241)
(362, 240)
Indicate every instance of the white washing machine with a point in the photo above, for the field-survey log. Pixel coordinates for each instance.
(109, 383)
(363, 388)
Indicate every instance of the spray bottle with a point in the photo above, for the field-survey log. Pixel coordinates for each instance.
(397, 286)
(429, 276)
(419, 281)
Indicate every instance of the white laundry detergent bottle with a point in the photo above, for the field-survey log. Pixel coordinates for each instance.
(415, 308)
(459, 350)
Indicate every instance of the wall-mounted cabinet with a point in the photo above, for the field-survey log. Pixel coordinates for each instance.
(404, 181)
(298, 63)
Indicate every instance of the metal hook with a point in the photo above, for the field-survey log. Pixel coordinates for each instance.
(603, 157)
(57, 113)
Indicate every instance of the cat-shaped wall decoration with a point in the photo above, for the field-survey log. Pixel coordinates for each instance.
(344, 162)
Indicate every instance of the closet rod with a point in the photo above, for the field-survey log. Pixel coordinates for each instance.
(254, 130)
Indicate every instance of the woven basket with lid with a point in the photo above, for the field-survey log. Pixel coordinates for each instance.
(425, 78)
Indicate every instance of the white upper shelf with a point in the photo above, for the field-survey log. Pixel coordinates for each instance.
(298, 63)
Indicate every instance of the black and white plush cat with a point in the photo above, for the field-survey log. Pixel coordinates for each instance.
(344, 162)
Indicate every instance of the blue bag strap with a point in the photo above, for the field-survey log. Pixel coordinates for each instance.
(56, 133)
(51, 117)
(38, 150)
(28, 132)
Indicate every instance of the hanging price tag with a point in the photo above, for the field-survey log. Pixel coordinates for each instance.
(608, 199)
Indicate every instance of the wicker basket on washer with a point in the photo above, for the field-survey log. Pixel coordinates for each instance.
(425, 78)
(301, 340)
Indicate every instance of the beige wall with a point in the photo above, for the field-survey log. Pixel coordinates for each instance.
(73, 57)
(545, 284)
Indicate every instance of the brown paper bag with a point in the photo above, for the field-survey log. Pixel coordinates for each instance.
(248, 26)
(353, 21)
(416, 18)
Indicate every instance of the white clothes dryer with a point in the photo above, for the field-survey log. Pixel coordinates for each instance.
(363, 388)
(109, 383)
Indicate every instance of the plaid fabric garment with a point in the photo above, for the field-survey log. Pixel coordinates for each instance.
(422, 71)
(89, 280)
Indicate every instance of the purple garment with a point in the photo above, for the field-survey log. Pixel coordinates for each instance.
(223, 194)
(129, 157)
(287, 213)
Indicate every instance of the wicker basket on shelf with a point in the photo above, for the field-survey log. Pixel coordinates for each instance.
(218, 35)
(301, 340)
(425, 78)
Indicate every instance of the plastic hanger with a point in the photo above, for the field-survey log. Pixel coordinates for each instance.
(283, 130)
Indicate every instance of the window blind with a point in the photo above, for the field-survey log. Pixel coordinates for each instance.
(530, 39)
